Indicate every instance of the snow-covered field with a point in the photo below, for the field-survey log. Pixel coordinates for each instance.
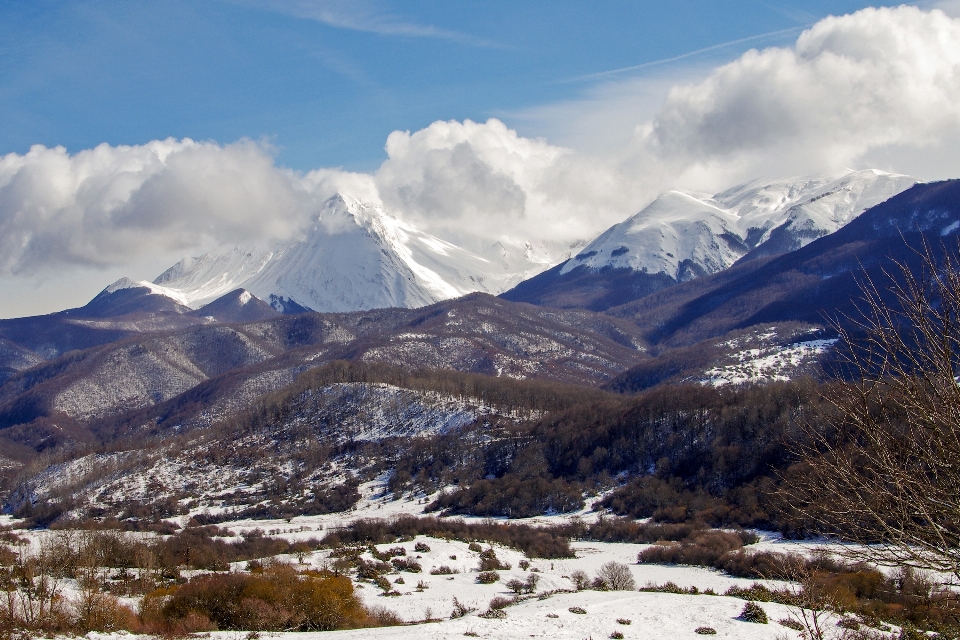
(652, 615)
(425, 601)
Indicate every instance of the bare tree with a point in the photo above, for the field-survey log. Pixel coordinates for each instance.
(884, 465)
(616, 577)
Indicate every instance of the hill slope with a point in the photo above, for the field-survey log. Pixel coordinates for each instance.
(199, 374)
(808, 286)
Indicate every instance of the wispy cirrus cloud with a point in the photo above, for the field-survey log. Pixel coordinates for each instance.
(368, 17)
(610, 73)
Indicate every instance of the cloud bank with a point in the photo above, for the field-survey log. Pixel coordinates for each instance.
(103, 206)
(852, 85)
(875, 88)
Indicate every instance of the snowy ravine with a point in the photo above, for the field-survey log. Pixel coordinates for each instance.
(686, 235)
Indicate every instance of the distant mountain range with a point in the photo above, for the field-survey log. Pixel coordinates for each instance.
(357, 256)
(806, 288)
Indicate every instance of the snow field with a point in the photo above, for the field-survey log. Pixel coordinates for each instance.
(652, 615)
(423, 596)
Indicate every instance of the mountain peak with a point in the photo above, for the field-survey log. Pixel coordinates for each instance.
(354, 256)
(238, 305)
(127, 296)
(711, 233)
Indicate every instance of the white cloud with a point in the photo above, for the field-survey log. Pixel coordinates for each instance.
(950, 7)
(482, 180)
(850, 87)
(108, 205)
(877, 88)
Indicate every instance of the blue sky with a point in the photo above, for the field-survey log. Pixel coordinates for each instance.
(326, 82)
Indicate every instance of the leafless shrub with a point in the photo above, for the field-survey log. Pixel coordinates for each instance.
(616, 577)
(580, 579)
(752, 612)
(488, 577)
(406, 564)
(460, 609)
(442, 570)
(490, 562)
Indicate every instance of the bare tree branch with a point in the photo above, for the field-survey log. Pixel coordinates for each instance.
(884, 466)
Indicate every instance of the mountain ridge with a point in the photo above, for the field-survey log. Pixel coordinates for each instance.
(682, 236)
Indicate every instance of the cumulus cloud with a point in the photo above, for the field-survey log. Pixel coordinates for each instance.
(850, 87)
(873, 88)
(106, 205)
(482, 180)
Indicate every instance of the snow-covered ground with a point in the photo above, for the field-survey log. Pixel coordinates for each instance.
(426, 601)
(654, 616)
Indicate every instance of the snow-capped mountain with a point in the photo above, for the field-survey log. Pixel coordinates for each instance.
(687, 235)
(681, 236)
(355, 256)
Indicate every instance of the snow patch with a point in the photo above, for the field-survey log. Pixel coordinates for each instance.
(775, 363)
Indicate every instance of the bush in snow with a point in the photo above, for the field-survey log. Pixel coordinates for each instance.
(460, 609)
(442, 570)
(490, 562)
(752, 612)
(524, 586)
(488, 577)
(406, 564)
